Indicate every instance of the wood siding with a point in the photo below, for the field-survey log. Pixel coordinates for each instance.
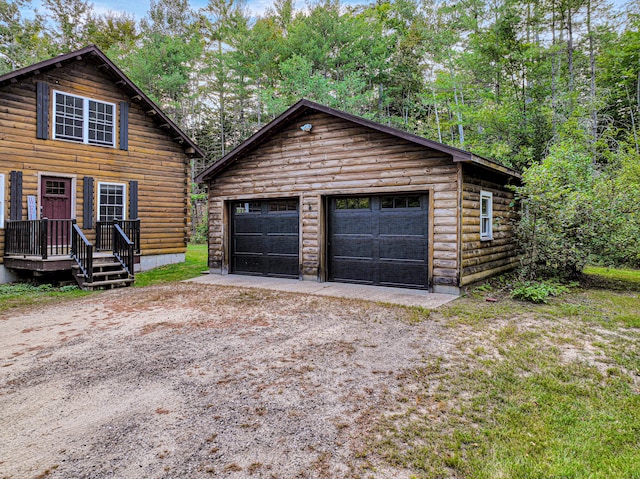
(339, 157)
(153, 159)
(481, 259)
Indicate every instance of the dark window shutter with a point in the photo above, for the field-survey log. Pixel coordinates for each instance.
(42, 110)
(133, 200)
(87, 216)
(124, 125)
(15, 205)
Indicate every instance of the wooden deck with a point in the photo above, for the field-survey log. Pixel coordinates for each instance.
(51, 264)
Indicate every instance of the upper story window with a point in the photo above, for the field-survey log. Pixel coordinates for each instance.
(84, 120)
(486, 215)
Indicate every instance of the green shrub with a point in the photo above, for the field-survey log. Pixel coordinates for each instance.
(537, 291)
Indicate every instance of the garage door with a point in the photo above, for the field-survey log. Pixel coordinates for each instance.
(379, 240)
(264, 238)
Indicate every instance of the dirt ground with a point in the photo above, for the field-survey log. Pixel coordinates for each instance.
(191, 381)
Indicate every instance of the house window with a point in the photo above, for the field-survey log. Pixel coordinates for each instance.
(111, 201)
(486, 215)
(1, 201)
(84, 120)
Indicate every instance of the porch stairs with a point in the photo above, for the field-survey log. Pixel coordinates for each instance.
(107, 273)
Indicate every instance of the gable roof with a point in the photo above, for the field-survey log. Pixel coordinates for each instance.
(119, 78)
(304, 106)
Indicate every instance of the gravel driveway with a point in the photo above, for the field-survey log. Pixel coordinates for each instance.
(190, 380)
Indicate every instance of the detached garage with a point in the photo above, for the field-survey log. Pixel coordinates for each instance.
(319, 194)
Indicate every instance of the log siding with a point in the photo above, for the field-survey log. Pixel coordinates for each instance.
(153, 159)
(338, 158)
(484, 258)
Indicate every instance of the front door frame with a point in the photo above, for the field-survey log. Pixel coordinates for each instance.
(73, 179)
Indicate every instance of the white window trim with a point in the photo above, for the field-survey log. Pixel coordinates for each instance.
(486, 235)
(124, 198)
(85, 119)
(2, 200)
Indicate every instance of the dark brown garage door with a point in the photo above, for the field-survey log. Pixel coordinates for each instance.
(264, 238)
(379, 240)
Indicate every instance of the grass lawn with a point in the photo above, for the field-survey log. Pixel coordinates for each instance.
(195, 264)
(533, 391)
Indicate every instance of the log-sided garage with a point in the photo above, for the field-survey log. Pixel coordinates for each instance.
(319, 194)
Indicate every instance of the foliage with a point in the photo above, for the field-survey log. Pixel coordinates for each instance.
(537, 291)
(574, 211)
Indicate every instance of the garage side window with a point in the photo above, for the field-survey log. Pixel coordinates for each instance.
(486, 215)
(111, 201)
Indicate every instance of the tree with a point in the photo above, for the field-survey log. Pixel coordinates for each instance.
(21, 43)
(70, 20)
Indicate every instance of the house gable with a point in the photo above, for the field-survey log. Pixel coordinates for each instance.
(338, 158)
(142, 172)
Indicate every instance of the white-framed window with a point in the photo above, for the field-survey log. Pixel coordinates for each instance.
(2, 205)
(84, 120)
(486, 215)
(112, 201)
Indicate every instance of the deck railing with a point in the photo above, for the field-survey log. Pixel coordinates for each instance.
(44, 238)
(82, 252)
(123, 248)
(105, 229)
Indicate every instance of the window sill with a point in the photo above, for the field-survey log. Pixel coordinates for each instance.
(486, 238)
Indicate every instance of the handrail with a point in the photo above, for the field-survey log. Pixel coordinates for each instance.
(104, 233)
(123, 249)
(82, 252)
(42, 237)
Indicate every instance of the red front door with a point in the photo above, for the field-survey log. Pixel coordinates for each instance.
(56, 205)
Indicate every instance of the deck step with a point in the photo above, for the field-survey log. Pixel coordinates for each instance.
(107, 273)
(98, 274)
(110, 283)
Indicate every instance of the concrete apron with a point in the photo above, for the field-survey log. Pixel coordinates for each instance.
(401, 296)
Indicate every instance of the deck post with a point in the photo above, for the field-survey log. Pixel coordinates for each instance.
(44, 229)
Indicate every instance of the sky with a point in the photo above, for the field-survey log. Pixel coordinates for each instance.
(139, 8)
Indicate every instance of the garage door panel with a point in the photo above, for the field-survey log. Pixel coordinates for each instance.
(349, 223)
(274, 224)
(250, 224)
(353, 271)
(265, 238)
(409, 249)
(247, 264)
(352, 247)
(382, 244)
(283, 244)
(283, 266)
(408, 274)
(248, 244)
(404, 224)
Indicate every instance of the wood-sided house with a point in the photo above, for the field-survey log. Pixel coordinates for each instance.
(92, 173)
(323, 195)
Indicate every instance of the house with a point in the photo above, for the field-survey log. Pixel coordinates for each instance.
(92, 173)
(319, 194)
